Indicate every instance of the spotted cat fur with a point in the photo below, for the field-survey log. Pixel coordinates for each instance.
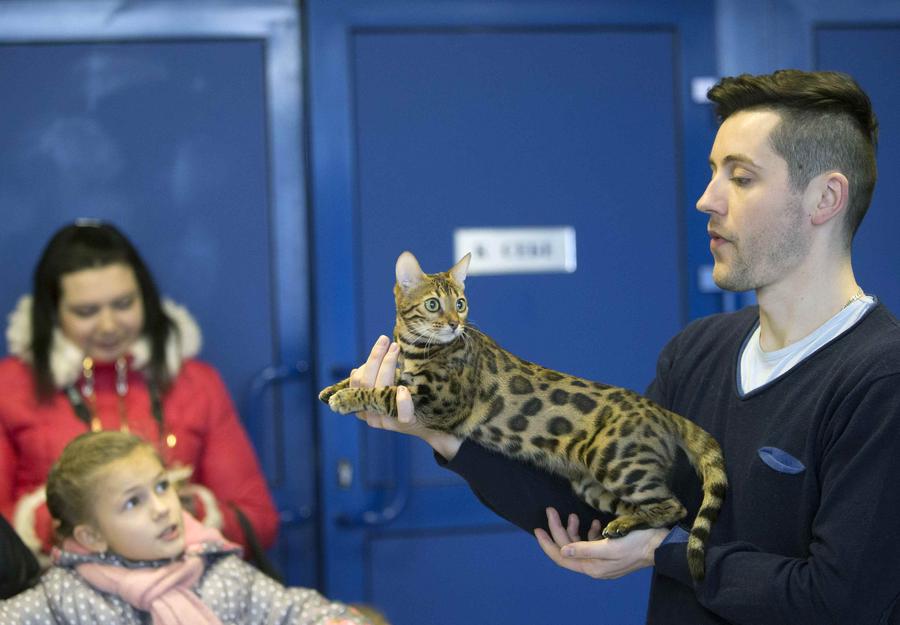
(614, 445)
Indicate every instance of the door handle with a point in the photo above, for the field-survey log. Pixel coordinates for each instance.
(267, 376)
(395, 501)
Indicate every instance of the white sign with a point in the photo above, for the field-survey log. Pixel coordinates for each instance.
(516, 250)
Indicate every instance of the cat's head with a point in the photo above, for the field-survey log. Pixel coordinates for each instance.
(431, 308)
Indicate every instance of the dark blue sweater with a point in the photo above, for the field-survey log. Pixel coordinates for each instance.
(809, 533)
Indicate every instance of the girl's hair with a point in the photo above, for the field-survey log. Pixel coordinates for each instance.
(71, 482)
(91, 244)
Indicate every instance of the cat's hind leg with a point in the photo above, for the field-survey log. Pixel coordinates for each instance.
(590, 491)
(650, 504)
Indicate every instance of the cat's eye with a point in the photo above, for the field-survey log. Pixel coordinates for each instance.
(432, 304)
(460, 304)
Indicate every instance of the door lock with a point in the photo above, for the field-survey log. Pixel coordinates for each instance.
(344, 473)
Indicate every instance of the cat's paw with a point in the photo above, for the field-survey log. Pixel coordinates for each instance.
(326, 393)
(619, 527)
(344, 401)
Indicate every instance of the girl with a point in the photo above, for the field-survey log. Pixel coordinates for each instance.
(128, 550)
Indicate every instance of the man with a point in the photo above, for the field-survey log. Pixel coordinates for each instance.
(802, 392)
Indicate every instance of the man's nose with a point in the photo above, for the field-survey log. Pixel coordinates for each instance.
(712, 200)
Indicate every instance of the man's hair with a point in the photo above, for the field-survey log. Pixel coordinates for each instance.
(827, 123)
(71, 483)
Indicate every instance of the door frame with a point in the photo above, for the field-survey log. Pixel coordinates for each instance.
(292, 476)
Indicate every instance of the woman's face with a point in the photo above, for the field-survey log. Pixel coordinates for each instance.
(101, 310)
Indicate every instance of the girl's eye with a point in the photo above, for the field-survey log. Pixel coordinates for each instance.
(131, 502)
(432, 304)
(460, 304)
(162, 486)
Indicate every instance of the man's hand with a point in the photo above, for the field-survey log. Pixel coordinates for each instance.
(601, 559)
(380, 370)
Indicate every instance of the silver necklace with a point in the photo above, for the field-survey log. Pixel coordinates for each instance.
(858, 295)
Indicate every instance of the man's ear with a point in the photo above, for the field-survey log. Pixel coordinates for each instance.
(832, 194)
(88, 537)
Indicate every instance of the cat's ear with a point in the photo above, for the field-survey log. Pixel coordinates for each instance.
(409, 274)
(461, 269)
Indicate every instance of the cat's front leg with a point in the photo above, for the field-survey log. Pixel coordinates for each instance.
(326, 393)
(382, 399)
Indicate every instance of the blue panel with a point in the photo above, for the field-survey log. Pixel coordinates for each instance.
(865, 53)
(527, 128)
(494, 578)
(166, 140)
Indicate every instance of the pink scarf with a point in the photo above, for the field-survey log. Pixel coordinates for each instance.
(165, 592)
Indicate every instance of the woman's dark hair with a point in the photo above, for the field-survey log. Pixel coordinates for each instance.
(89, 244)
(827, 122)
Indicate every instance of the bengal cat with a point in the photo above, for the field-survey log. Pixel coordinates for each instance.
(614, 445)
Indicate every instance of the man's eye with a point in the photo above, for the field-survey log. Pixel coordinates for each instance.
(740, 181)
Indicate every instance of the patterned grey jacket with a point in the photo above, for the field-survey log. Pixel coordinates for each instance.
(238, 594)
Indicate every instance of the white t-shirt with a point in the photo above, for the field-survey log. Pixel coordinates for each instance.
(759, 367)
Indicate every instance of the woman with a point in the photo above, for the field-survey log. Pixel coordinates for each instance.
(95, 348)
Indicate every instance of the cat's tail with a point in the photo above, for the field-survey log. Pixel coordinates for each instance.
(705, 455)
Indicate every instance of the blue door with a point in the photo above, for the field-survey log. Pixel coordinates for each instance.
(862, 51)
(431, 116)
(178, 127)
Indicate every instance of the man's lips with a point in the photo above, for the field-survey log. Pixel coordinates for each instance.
(716, 239)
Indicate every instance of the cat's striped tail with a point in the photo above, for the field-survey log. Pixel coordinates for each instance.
(705, 455)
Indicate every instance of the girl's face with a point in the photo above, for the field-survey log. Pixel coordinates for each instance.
(136, 511)
(101, 310)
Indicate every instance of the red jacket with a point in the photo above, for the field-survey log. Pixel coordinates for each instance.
(197, 409)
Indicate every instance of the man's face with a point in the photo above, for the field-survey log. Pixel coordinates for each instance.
(757, 223)
(137, 513)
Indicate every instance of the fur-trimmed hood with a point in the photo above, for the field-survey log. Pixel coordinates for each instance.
(66, 357)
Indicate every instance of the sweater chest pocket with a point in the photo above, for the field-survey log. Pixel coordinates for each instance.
(777, 483)
(780, 461)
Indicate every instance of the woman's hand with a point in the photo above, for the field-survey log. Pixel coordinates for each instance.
(380, 370)
(602, 559)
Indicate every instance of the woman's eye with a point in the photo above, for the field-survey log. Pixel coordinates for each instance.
(84, 311)
(460, 304)
(124, 303)
(432, 304)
